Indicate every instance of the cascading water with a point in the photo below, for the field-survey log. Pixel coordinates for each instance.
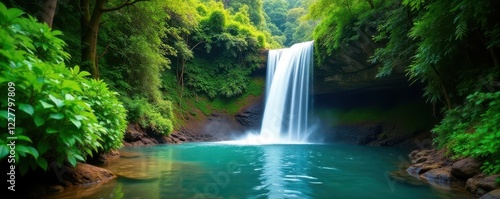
(272, 59)
(287, 94)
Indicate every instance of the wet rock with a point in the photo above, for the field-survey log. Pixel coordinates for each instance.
(133, 133)
(149, 141)
(420, 168)
(55, 189)
(125, 154)
(495, 194)
(413, 154)
(420, 160)
(466, 168)
(219, 127)
(439, 175)
(426, 160)
(84, 174)
(103, 158)
(482, 184)
(137, 143)
(402, 177)
(423, 153)
(251, 116)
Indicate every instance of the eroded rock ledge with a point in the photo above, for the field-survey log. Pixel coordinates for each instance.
(56, 180)
(434, 167)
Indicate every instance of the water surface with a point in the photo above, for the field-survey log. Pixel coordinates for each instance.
(215, 170)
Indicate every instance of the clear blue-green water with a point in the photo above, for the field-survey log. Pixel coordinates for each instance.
(215, 170)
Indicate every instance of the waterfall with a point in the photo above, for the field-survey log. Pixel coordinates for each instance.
(287, 94)
(272, 59)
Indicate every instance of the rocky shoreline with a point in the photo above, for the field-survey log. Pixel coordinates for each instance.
(436, 168)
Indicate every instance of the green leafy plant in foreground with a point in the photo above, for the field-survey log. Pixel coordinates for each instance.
(57, 118)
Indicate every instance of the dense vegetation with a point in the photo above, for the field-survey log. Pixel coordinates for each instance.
(450, 46)
(59, 115)
(287, 22)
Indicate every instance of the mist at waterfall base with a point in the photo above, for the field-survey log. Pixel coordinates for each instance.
(286, 113)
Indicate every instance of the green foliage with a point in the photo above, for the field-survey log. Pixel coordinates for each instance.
(341, 22)
(54, 117)
(227, 47)
(255, 10)
(216, 22)
(286, 21)
(136, 57)
(157, 118)
(108, 110)
(232, 79)
(473, 130)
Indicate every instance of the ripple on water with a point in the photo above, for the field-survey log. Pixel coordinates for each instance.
(329, 168)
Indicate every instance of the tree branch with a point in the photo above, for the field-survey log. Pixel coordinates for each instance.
(125, 3)
(104, 52)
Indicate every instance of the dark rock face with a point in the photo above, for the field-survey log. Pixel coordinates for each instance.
(222, 127)
(390, 117)
(482, 184)
(356, 134)
(133, 133)
(250, 117)
(495, 194)
(137, 136)
(466, 168)
(350, 69)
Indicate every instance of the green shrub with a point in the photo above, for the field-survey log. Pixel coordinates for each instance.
(108, 110)
(158, 118)
(473, 129)
(54, 119)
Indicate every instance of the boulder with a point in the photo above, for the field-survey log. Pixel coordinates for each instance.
(427, 160)
(84, 174)
(133, 133)
(495, 194)
(439, 175)
(421, 168)
(482, 184)
(466, 168)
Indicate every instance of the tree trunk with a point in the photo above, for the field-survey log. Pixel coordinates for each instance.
(48, 10)
(90, 30)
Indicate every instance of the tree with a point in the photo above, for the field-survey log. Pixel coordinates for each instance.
(90, 22)
(48, 11)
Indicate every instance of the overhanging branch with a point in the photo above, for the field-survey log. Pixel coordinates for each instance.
(125, 3)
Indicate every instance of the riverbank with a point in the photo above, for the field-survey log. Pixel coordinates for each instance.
(435, 167)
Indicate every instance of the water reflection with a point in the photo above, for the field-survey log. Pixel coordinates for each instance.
(204, 171)
(147, 173)
(284, 174)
